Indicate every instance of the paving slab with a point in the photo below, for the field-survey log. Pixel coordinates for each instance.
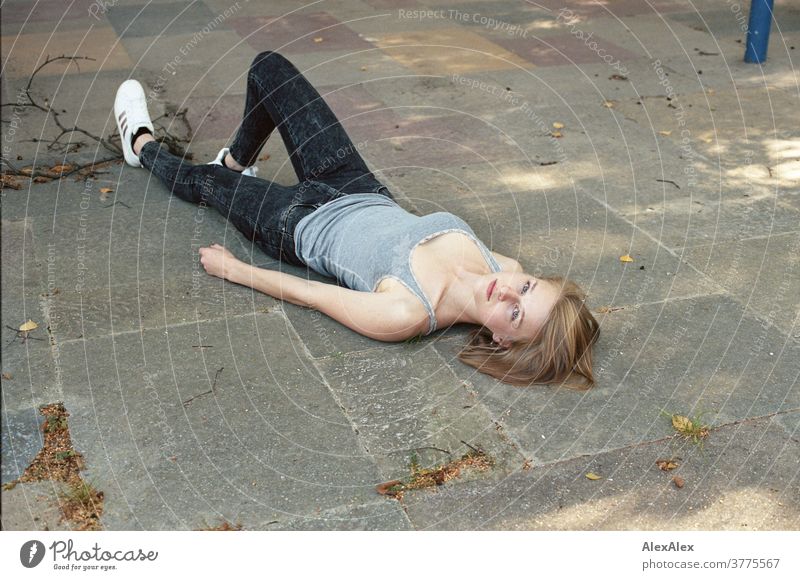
(130, 308)
(103, 52)
(22, 440)
(169, 454)
(791, 422)
(347, 67)
(704, 355)
(407, 402)
(292, 33)
(370, 517)
(159, 18)
(742, 478)
(21, 17)
(746, 267)
(194, 63)
(32, 378)
(450, 51)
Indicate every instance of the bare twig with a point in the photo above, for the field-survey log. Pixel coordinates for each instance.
(111, 143)
(669, 181)
(476, 450)
(210, 391)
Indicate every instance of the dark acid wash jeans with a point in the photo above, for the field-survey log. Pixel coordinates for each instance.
(324, 158)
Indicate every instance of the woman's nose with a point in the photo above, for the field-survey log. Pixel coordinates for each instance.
(504, 292)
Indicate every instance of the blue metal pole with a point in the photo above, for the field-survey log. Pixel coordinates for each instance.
(758, 31)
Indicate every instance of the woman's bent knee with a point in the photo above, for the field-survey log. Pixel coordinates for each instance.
(268, 59)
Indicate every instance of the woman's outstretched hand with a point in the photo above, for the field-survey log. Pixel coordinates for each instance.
(219, 261)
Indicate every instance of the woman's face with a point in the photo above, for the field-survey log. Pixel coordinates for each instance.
(514, 305)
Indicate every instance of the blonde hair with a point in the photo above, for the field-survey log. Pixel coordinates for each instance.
(559, 353)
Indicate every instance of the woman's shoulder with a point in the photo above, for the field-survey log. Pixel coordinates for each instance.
(507, 264)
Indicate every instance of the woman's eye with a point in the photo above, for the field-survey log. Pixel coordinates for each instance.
(526, 287)
(514, 313)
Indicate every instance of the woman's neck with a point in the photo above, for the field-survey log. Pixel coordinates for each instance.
(457, 304)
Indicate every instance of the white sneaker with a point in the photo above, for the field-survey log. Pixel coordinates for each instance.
(130, 112)
(251, 171)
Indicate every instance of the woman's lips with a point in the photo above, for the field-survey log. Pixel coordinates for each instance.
(490, 290)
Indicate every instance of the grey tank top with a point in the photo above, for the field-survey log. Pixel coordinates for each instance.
(362, 238)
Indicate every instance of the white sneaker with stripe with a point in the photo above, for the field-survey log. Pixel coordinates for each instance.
(130, 112)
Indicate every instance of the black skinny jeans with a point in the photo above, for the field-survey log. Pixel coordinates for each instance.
(324, 158)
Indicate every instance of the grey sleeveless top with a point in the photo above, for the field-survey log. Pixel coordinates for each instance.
(362, 238)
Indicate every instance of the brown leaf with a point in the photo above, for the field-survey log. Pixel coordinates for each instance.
(11, 181)
(26, 171)
(616, 77)
(606, 309)
(42, 179)
(593, 476)
(626, 258)
(678, 481)
(666, 464)
(442, 475)
(386, 488)
(556, 134)
(60, 168)
(7, 376)
(665, 133)
(558, 125)
(318, 39)
(609, 104)
(264, 157)
(106, 190)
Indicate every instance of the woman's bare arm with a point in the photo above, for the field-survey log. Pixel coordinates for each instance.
(378, 315)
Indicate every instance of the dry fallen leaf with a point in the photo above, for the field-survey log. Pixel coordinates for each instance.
(609, 104)
(556, 134)
(665, 133)
(11, 181)
(28, 326)
(26, 171)
(666, 464)
(318, 39)
(7, 376)
(558, 125)
(363, 68)
(616, 77)
(593, 476)
(678, 481)
(264, 157)
(386, 488)
(607, 309)
(106, 190)
(625, 258)
(41, 179)
(60, 168)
